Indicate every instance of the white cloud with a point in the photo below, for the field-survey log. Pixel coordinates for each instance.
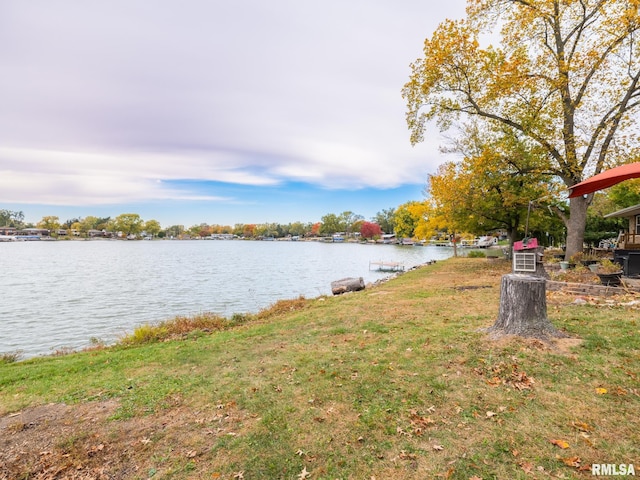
(101, 100)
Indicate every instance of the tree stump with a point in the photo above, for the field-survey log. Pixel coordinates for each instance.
(523, 308)
(347, 285)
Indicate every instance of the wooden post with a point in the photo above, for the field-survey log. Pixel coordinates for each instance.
(523, 308)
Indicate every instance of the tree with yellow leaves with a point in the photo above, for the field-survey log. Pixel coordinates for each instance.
(491, 187)
(565, 78)
(51, 223)
(409, 220)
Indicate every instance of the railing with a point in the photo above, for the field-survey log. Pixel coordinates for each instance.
(630, 241)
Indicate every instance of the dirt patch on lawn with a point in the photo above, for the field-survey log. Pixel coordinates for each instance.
(558, 346)
(45, 441)
(59, 441)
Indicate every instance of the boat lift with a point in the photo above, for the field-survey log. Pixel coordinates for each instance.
(386, 266)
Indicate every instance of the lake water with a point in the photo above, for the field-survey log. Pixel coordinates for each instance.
(62, 294)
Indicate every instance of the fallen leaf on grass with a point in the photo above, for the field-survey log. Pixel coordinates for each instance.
(438, 448)
(407, 456)
(583, 427)
(304, 474)
(560, 443)
(420, 423)
(95, 449)
(601, 391)
(490, 414)
(586, 439)
(620, 391)
(521, 380)
(527, 467)
(571, 461)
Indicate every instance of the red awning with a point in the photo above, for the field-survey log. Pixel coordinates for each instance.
(606, 179)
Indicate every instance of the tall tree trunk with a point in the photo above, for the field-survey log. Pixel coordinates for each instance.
(512, 233)
(576, 224)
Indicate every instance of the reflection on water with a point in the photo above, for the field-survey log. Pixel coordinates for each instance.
(62, 294)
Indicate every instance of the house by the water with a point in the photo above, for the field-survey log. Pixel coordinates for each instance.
(627, 251)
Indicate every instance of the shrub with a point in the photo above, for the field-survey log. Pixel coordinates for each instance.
(10, 357)
(608, 266)
(176, 328)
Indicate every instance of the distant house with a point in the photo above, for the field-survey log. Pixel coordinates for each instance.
(93, 233)
(629, 240)
(8, 230)
(389, 238)
(627, 251)
(40, 232)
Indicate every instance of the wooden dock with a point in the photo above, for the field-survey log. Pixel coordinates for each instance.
(386, 266)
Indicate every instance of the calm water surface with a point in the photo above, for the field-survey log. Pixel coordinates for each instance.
(61, 294)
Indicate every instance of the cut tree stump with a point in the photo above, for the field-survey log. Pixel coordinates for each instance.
(523, 308)
(347, 285)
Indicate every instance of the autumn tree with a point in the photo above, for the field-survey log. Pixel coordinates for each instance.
(269, 230)
(330, 224)
(68, 223)
(407, 218)
(201, 230)
(224, 229)
(384, 218)
(128, 223)
(88, 223)
(102, 223)
(370, 230)
(315, 229)
(152, 227)
(500, 183)
(50, 222)
(349, 222)
(175, 231)
(238, 229)
(249, 230)
(298, 229)
(565, 78)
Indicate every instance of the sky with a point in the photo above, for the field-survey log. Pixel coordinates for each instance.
(209, 111)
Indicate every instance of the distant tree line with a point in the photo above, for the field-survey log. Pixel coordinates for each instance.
(128, 224)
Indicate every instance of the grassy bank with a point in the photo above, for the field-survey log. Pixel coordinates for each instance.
(392, 382)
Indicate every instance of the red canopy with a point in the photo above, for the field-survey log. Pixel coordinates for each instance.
(606, 179)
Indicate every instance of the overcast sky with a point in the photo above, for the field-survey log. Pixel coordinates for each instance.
(224, 112)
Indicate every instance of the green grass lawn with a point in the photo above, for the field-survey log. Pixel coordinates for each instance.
(394, 382)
